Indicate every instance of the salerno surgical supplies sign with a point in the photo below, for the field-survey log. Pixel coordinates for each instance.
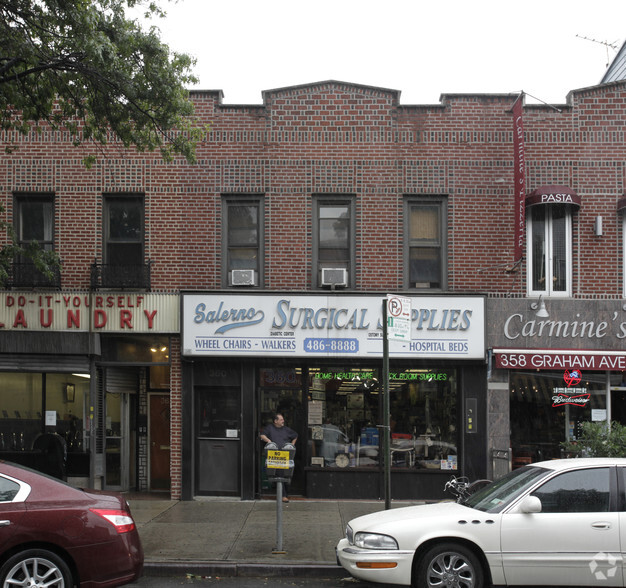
(328, 326)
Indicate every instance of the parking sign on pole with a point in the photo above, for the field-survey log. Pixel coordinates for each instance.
(398, 318)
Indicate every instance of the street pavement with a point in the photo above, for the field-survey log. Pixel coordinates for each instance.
(231, 537)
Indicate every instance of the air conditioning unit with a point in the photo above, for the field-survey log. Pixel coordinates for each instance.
(334, 276)
(243, 277)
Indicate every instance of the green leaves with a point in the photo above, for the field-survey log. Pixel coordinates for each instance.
(84, 66)
(597, 440)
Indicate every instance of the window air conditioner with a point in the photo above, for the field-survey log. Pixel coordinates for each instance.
(243, 277)
(334, 276)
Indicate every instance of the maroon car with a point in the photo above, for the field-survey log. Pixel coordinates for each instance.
(52, 534)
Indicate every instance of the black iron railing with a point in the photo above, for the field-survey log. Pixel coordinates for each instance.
(120, 276)
(26, 275)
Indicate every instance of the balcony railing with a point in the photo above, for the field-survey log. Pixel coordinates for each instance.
(26, 275)
(120, 276)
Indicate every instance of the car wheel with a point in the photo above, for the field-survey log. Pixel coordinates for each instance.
(449, 565)
(36, 568)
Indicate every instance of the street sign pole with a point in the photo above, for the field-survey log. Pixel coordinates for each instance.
(386, 418)
(400, 322)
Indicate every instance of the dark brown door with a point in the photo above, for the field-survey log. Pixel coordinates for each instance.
(159, 442)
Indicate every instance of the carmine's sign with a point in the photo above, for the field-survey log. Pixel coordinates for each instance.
(79, 312)
(554, 360)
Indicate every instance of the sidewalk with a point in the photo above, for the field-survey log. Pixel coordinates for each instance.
(236, 538)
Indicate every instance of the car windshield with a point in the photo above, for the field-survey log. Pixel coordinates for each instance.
(495, 496)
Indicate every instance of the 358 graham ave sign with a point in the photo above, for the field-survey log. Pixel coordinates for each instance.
(80, 312)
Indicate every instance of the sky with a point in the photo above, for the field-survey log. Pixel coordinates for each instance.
(423, 48)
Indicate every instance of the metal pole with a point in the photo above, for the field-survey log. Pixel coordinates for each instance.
(279, 518)
(386, 419)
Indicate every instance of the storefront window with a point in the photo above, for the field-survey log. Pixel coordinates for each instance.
(345, 418)
(548, 408)
(33, 403)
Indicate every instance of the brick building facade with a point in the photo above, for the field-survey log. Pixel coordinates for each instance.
(319, 184)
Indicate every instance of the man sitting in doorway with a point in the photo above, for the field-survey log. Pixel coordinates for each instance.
(277, 432)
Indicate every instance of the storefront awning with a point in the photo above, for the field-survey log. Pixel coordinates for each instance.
(553, 194)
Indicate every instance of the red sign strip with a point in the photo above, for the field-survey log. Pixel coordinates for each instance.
(519, 176)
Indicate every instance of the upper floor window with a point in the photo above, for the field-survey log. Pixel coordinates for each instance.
(334, 241)
(35, 220)
(426, 242)
(242, 241)
(549, 243)
(123, 248)
(34, 223)
(124, 230)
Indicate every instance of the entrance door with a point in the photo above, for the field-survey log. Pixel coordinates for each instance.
(218, 413)
(281, 392)
(159, 442)
(117, 443)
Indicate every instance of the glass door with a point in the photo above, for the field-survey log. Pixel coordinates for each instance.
(281, 392)
(117, 443)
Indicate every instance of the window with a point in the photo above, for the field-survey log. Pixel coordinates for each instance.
(34, 223)
(123, 265)
(541, 417)
(334, 237)
(579, 491)
(425, 245)
(345, 405)
(124, 230)
(28, 401)
(35, 216)
(8, 489)
(549, 255)
(243, 241)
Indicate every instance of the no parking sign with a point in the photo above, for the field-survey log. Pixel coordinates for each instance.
(398, 318)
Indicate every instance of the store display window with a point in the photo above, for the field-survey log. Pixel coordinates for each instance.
(345, 418)
(548, 408)
(32, 404)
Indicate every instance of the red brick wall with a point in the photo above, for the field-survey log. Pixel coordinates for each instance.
(339, 138)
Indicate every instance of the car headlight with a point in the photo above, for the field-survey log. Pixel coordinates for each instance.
(375, 541)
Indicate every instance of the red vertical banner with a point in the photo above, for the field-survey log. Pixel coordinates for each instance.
(519, 176)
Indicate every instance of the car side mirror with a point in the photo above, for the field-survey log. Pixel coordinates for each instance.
(530, 504)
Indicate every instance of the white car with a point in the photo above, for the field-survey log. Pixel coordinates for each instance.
(558, 523)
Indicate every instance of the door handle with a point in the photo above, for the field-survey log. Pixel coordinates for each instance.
(601, 525)
(5, 523)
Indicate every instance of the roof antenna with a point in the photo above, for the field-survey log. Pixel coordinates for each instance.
(612, 45)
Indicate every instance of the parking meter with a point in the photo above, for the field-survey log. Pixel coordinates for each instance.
(279, 463)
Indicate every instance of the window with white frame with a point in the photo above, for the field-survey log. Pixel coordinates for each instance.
(334, 241)
(242, 240)
(549, 250)
(426, 242)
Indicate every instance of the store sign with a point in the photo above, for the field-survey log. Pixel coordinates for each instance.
(570, 396)
(558, 360)
(328, 326)
(572, 377)
(84, 312)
